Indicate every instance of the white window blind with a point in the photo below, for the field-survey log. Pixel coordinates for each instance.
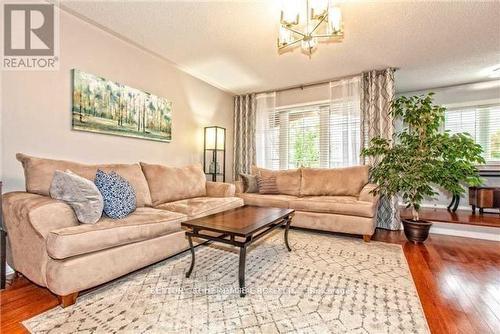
(482, 123)
(324, 134)
(303, 142)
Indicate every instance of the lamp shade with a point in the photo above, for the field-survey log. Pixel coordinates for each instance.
(215, 138)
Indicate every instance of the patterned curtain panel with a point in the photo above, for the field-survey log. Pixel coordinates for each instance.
(377, 94)
(244, 134)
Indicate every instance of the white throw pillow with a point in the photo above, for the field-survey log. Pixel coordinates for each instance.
(80, 193)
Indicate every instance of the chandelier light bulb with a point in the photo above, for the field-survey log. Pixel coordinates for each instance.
(309, 45)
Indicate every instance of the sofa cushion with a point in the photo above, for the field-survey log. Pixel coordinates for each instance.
(39, 172)
(142, 224)
(202, 206)
(278, 201)
(288, 181)
(168, 184)
(344, 205)
(220, 189)
(333, 181)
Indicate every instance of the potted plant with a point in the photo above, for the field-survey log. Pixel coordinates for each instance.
(421, 158)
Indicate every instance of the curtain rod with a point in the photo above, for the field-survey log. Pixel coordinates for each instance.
(449, 86)
(312, 84)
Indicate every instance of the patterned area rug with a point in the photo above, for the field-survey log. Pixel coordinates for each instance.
(327, 284)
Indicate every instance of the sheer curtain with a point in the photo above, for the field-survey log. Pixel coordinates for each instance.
(344, 123)
(266, 133)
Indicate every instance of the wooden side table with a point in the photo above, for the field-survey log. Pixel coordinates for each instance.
(3, 246)
(484, 198)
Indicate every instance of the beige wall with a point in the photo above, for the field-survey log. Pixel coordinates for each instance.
(36, 106)
(300, 96)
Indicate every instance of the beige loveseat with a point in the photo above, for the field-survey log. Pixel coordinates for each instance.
(51, 248)
(335, 200)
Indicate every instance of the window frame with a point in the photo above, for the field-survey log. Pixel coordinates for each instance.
(490, 165)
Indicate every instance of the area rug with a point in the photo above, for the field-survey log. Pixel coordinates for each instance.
(327, 284)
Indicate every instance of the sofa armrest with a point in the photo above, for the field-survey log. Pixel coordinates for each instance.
(239, 186)
(28, 219)
(220, 189)
(43, 213)
(366, 194)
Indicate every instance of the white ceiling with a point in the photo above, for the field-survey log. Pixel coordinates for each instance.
(232, 44)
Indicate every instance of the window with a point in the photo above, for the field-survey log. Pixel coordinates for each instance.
(302, 141)
(482, 123)
(324, 134)
(318, 134)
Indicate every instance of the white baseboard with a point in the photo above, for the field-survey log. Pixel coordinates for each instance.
(466, 231)
(442, 206)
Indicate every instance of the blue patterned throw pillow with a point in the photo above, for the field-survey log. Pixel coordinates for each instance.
(117, 193)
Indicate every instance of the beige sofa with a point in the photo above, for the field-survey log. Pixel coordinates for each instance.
(335, 200)
(49, 246)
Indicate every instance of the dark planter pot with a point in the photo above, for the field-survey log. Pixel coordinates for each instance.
(416, 231)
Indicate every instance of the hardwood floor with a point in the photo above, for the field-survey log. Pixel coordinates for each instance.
(22, 300)
(464, 217)
(457, 279)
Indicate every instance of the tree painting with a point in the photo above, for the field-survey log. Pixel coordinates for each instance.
(104, 106)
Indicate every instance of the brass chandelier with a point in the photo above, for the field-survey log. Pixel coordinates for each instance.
(307, 23)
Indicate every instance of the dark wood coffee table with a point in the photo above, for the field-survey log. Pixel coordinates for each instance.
(239, 227)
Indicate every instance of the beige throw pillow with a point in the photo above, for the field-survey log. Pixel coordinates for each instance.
(81, 194)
